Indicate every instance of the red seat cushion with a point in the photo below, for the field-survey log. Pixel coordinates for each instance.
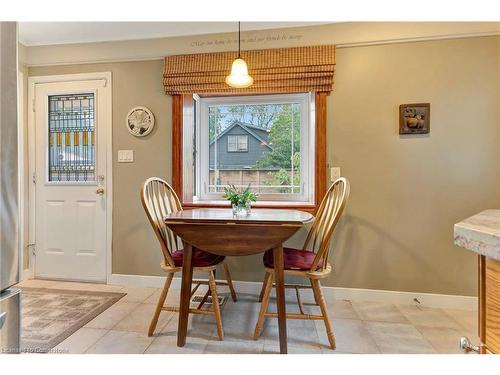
(294, 259)
(201, 258)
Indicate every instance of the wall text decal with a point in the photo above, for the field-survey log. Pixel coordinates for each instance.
(246, 41)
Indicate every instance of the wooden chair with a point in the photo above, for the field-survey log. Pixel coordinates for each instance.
(158, 199)
(310, 262)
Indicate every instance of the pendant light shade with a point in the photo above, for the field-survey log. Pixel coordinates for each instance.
(239, 78)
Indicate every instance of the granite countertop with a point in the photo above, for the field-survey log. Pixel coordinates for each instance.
(480, 233)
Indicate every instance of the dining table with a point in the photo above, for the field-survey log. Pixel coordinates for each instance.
(220, 231)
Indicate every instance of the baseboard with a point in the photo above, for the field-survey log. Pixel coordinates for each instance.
(446, 301)
(139, 280)
(353, 294)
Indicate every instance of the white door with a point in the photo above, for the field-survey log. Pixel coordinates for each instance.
(70, 180)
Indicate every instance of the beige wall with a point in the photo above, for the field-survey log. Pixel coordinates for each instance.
(407, 192)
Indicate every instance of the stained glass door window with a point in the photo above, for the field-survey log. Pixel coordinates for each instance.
(72, 138)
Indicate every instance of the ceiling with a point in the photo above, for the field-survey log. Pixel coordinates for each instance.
(46, 33)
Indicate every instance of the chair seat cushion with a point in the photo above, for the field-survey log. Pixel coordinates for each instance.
(200, 259)
(294, 259)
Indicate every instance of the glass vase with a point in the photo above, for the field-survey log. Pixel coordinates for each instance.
(242, 210)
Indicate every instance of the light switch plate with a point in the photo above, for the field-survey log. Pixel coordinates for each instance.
(125, 156)
(334, 173)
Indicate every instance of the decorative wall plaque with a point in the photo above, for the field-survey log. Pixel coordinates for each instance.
(140, 121)
(414, 118)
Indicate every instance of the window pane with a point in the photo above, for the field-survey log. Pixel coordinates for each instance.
(232, 143)
(71, 138)
(242, 143)
(256, 144)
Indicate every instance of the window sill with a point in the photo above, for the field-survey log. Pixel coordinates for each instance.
(302, 206)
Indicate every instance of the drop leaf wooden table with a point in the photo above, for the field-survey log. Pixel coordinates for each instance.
(218, 231)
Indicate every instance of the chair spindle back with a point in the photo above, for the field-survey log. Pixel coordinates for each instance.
(159, 199)
(327, 217)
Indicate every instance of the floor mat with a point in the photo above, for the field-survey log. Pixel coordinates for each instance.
(51, 315)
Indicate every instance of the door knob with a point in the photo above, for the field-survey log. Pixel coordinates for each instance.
(467, 346)
(100, 191)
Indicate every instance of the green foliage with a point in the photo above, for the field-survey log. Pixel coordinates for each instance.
(284, 151)
(237, 197)
(284, 138)
(283, 177)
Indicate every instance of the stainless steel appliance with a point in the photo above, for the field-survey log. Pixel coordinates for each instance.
(9, 251)
(10, 321)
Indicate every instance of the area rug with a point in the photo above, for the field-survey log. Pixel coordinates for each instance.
(51, 315)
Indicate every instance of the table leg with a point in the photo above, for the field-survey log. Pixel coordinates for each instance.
(187, 279)
(279, 279)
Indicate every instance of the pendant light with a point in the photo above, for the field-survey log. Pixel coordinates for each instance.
(239, 77)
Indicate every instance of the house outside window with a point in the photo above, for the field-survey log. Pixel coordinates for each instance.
(265, 142)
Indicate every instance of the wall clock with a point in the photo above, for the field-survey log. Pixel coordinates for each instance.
(140, 121)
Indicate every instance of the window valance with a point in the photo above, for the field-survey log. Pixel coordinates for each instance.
(281, 70)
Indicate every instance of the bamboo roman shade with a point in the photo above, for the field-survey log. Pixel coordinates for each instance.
(281, 70)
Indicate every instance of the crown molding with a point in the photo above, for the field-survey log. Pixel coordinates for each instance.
(418, 39)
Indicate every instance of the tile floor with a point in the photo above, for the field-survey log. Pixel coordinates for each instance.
(360, 327)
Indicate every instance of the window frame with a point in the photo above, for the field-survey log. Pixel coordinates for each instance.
(238, 143)
(306, 101)
(183, 113)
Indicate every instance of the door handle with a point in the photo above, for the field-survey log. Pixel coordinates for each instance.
(467, 346)
(100, 191)
(3, 316)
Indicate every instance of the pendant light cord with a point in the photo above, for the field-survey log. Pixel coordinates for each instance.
(239, 40)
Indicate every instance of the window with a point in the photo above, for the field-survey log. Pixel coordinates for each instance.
(237, 143)
(71, 153)
(262, 142)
